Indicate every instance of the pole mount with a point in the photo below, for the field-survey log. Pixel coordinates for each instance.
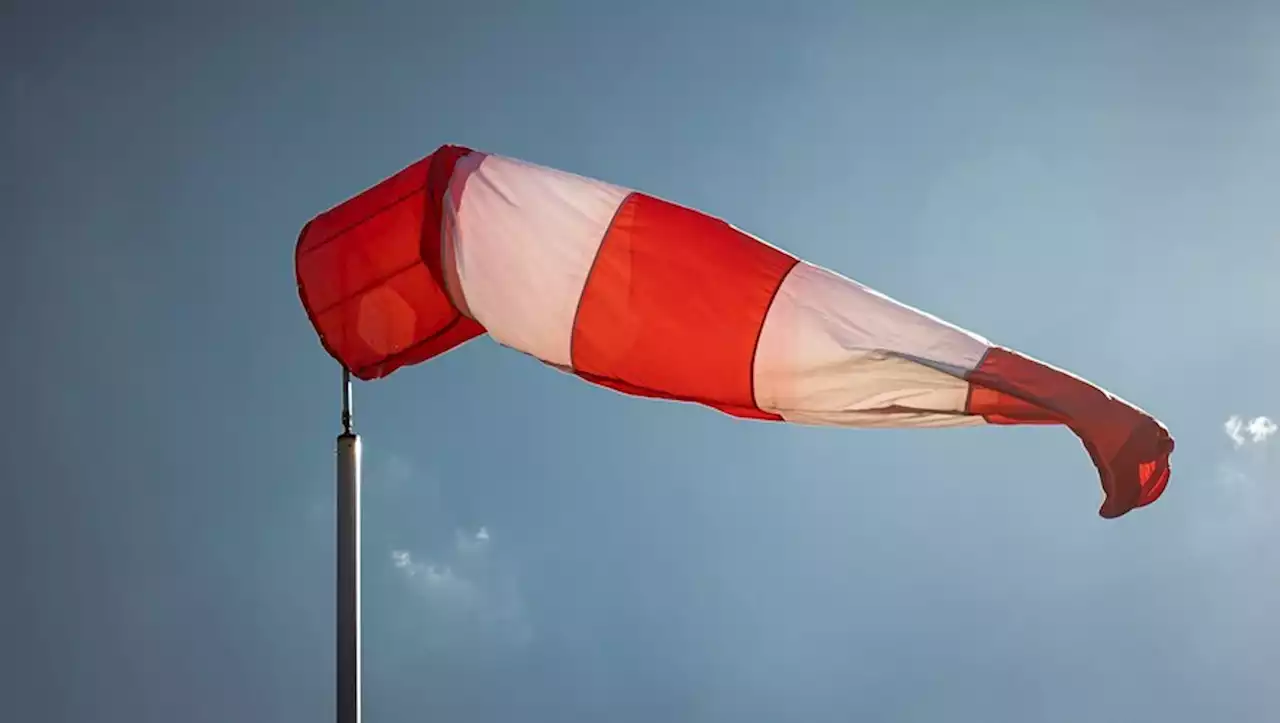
(346, 401)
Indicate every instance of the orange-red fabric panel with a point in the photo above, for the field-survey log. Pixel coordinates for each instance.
(369, 273)
(674, 305)
(1130, 449)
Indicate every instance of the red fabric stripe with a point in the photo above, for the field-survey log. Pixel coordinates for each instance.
(1130, 449)
(369, 273)
(674, 305)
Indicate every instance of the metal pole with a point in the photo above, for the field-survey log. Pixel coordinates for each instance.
(348, 600)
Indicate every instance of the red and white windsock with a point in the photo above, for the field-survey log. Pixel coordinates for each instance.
(650, 298)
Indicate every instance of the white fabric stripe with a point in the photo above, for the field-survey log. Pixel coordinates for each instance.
(520, 240)
(888, 420)
(831, 352)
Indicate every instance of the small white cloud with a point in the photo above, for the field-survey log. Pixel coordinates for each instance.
(1260, 428)
(1256, 430)
(483, 534)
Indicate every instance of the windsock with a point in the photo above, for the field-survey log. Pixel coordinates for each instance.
(654, 299)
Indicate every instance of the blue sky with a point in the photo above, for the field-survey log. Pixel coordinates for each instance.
(1091, 183)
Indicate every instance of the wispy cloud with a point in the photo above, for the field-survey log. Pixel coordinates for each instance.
(398, 470)
(1233, 428)
(437, 581)
(466, 586)
(1241, 510)
(1248, 468)
(1256, 431)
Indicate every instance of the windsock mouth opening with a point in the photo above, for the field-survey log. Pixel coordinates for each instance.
(369, 278)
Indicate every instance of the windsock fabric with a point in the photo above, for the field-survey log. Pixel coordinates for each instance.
(654, 299)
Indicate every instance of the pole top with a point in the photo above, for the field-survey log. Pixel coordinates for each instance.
(346, 401)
